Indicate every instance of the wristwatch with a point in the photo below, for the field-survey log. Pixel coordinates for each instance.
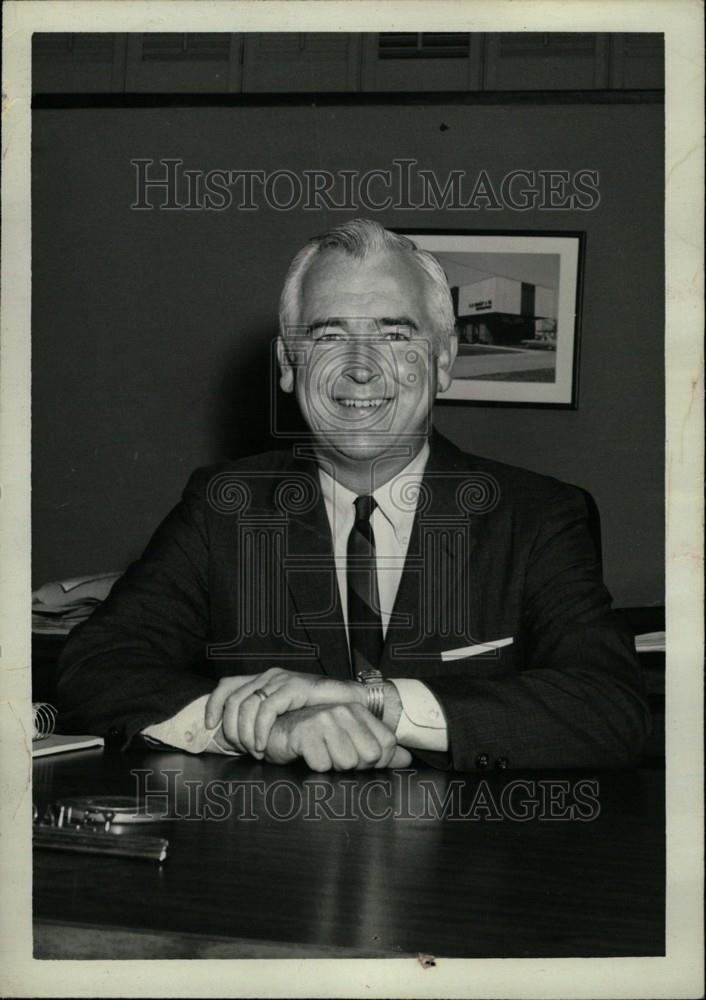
(375, 690)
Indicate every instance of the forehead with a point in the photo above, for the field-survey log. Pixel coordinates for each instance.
(338, 284)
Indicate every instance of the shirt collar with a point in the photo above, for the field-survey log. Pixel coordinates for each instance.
(395, 501)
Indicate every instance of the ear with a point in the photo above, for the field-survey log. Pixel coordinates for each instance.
(286, 371)
(445, 362)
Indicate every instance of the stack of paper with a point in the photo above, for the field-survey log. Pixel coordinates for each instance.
(62, 744)
(59, 606)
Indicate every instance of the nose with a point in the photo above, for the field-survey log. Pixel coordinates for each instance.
(363, 365)
(362, 373)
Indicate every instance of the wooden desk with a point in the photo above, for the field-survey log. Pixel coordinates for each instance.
(268, 887)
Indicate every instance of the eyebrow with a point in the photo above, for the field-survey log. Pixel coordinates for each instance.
(399, 321)
(343, 321)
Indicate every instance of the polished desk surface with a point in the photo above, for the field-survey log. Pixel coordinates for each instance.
(268, 887)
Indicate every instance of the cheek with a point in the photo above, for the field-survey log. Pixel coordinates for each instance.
(413, 373)
(301, 393)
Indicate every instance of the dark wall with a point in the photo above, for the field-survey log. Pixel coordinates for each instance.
(152, 329)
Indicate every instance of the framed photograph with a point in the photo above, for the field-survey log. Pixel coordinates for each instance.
(517, 299)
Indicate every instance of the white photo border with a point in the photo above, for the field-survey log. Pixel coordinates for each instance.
(677, 974)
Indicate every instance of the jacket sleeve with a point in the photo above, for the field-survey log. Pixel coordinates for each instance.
(135, 661)
(580, 699)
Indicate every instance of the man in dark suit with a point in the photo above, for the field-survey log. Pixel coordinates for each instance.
(373, 592)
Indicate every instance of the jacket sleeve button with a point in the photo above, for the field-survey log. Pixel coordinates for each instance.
(482, 761)
(501, 763)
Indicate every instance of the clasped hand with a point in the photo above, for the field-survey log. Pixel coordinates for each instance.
(322, 720)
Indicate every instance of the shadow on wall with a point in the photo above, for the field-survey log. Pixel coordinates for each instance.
(243, 415)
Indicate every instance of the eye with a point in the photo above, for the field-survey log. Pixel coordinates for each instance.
(399, 333)
(329, 335)
(325, 334)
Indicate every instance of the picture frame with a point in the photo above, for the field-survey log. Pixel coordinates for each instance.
(517, 301)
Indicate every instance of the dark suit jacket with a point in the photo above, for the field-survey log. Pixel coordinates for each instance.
(240, 577)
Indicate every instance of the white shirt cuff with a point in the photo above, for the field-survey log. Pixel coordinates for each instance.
(422, 723)
(187, 731)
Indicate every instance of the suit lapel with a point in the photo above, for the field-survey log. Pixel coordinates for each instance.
(438, 599)
(311, 579)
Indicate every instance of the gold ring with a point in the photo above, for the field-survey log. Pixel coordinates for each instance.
(262, 695)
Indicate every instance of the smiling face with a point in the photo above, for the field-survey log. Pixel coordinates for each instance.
(363, 362)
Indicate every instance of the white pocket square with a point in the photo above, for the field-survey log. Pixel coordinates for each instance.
(477, 650)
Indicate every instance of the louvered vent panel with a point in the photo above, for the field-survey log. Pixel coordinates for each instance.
(291, 43)
(280, 42)
(328, 41)
(424, 45)
(642, 43)
(642, 62)
(93, 44)
(186, 47)
(542, 44)
(55, 43)
(79, 45)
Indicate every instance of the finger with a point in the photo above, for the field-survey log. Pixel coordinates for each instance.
(342, 750)
(384, 737)
(265, 718)
(367, 747)
(247, 713)
(229, 722)
(315, 753)
(400, 758)
(288, 692)
(287, 698)
(242, 686)
(280, 747)
(217, 699)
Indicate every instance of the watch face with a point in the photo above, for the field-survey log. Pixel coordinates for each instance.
(370, 676)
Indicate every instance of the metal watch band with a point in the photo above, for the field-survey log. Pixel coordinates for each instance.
(375, 691)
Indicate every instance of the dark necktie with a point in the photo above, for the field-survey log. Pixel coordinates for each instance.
(364, 623)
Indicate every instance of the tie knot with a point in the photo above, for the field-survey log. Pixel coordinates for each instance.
(364, 507)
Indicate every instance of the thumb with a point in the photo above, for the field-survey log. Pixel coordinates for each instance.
(400, 758)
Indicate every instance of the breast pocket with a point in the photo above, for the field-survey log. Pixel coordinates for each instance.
(482, 650)
(482, 660)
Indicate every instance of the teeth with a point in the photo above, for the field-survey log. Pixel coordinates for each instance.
(362, 404)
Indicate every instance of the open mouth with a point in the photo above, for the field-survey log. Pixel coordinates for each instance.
(364, 404)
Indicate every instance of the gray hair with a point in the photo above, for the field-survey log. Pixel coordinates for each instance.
(360, 238)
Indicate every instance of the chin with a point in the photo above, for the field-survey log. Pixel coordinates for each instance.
(361, 451)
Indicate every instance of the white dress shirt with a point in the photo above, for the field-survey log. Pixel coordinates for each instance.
(422, 724)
